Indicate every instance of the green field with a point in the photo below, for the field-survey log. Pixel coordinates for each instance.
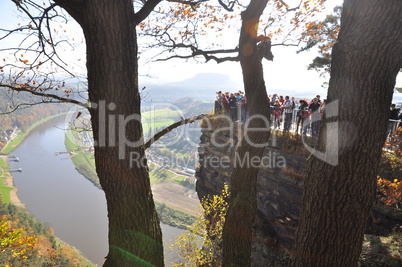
(83, 161)
(159, 118)
(158, 176)
(4, 191)
(165, 113)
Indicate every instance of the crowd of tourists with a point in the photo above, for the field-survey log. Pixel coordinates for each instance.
(304, 114)
(232, 104)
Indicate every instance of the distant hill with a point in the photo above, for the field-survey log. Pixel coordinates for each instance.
(203, 86)
(192, 107)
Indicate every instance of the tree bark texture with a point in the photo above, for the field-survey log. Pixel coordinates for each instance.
(338, 197)
(135, 237)
(237, 232)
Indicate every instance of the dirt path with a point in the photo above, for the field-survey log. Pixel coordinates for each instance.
(177, 197)
(9, 182)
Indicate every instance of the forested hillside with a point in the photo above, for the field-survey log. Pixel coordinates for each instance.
(26, 114)
(27, 242)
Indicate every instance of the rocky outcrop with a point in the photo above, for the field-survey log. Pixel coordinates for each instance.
(280, 180)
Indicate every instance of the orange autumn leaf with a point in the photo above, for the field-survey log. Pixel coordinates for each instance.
(25, 61)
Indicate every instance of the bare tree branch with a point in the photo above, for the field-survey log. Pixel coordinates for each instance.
(26, 105)
(53, 96)
(193, 4)
(229, 6)
(40, 26)
(208, 55)
(158, 135)
(290, 9)
(145, 10)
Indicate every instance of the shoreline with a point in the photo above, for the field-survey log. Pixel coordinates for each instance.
(175, 198)
(9, 182)
(13, 193)
(20, 137)
(5, 151)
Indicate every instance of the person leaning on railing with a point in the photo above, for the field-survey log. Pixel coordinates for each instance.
(218, 102)
(400, 119)
(302, 115)
(393, 119)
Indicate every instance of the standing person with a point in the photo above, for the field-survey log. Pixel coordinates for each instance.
(316, 119)
(302, 114)
(232, 107)
(238, 96)
(225, 103)
(218, 102)
(243, 108)
(274, 97)
(277, 114)
(288, 111)
(281, 99)
(394, 117)
(218, 95)
(295, 102)
(319, 99)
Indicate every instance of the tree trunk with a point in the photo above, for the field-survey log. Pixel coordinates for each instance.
(341, 183)
(135, 237)
(237, 232)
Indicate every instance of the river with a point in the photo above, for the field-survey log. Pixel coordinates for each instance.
(59, 196)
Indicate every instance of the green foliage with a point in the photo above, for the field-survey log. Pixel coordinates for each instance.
(201, 244)
(322, 34)
(183, 181)
(174, 217)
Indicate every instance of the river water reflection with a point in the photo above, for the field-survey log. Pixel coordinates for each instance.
(58, 195)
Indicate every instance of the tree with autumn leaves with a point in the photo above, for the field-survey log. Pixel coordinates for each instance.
(14, 243)
(111, 40)
(250, 49)
(359, 69)
(341, 189)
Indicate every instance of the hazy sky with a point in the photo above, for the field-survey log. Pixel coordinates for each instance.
(287, 71)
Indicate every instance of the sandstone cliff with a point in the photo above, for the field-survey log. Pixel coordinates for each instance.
(280, 182)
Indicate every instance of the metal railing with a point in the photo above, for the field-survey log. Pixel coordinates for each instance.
(240, 112)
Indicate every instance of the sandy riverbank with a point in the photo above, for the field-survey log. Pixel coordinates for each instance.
(9, 182)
